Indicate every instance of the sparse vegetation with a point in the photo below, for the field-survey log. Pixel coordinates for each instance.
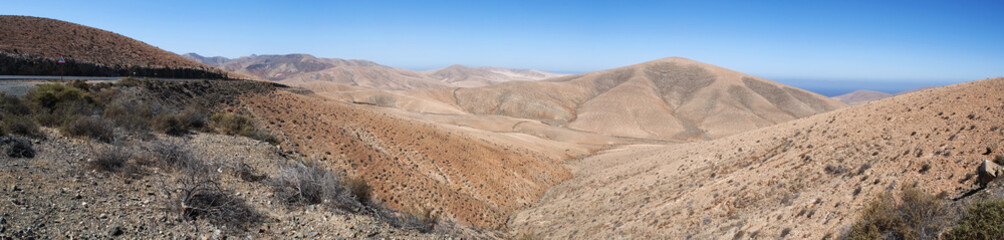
(170, 124)
(175, 155)
(92, 127)
(238, 124)
(422, 219)
(111, 159)
(984, 220)
(201, 197)
(17, 148)
(359, 188)
(915, 215)
(301, 184)
(21, 125)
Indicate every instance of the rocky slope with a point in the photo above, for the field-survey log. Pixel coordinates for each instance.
(671, 98)
(807, 178)
(44, 40)
(414, 164)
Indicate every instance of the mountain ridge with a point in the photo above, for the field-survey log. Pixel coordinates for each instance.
(305, 68)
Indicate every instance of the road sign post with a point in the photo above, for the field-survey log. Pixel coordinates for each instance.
(62, 69)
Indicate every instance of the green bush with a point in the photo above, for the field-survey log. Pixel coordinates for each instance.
(49, 96)
(171, 124)
(12, 105)
(233, 124)
(916, 215)
(237, 124)
(984, 220)
(57, 105)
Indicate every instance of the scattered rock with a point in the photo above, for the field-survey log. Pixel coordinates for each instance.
(988, 171)
(115, 231)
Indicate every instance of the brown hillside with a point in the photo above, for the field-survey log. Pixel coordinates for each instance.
(413, 164)
(805, 179)
(50, 39)
(671, 98)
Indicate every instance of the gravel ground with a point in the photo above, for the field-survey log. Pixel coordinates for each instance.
(58, 195)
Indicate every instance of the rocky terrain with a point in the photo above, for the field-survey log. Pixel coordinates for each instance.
(57, 194)
(807, 178)
(337, 149)
(91, 51)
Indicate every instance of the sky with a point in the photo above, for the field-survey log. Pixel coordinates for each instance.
(881, 45)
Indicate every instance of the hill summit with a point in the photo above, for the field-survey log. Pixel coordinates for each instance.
(32, 45)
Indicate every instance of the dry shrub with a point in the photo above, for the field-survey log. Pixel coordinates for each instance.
(57, 104)
(13, 105)
(91, 127)
(359, 188)
(130, 113)
(984, 220)
(111, 159)
(916, 215)
(247, 173)
(201, 197)
(300, 184)
(422, 219)
(170, 124)
(195, 117)
(175, 155)
(17, 148)
(21, 125)
(237, 124)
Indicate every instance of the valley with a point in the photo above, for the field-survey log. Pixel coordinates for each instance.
(160, 145)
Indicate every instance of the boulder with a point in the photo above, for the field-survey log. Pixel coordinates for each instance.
(989, 171)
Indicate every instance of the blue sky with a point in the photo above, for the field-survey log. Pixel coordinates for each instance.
(839, 43)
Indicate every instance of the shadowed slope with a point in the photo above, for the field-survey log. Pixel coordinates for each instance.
(41, 41)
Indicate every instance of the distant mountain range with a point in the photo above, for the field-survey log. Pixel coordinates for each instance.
(303, 68)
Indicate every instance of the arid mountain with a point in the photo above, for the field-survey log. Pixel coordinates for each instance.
(861, 97)
(804, 179)
(305, 69)
(467, 77)
(31, 46)
(211, 61)
(415, 164)
(671, 98)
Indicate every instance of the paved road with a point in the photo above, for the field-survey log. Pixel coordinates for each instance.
(20, 85)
